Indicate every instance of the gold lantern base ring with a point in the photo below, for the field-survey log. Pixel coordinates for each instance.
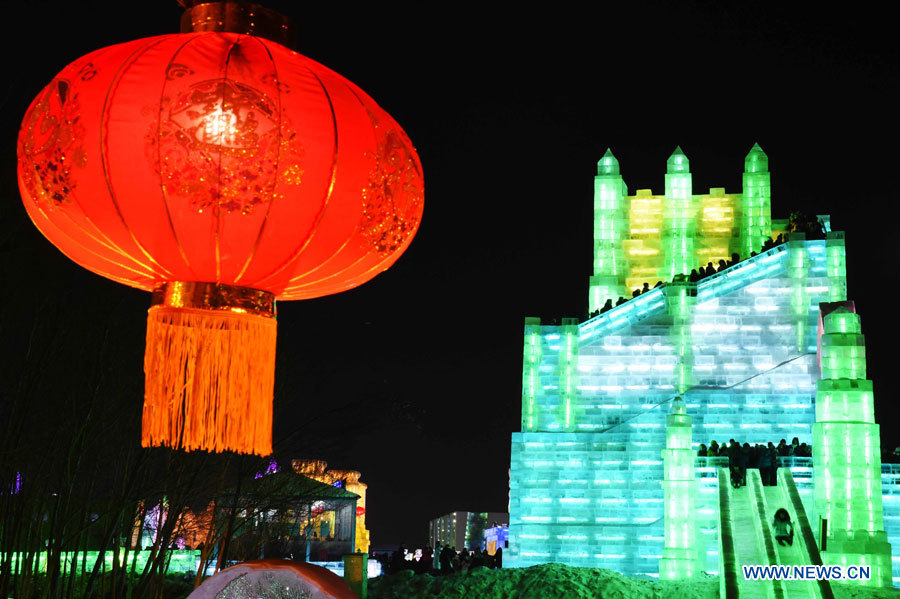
(209, 368)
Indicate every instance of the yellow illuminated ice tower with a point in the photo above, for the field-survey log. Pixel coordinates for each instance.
(648, 238)
(679, 555)
(846, 456)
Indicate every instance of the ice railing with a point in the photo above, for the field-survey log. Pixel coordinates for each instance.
(802, 467)
(653, 302)
(799, 467)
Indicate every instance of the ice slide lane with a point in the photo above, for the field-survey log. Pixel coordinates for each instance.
(741, 522)
(728, 566)
(805, 550)
(746, 538)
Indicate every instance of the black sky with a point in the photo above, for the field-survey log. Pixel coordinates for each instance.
(510, 111)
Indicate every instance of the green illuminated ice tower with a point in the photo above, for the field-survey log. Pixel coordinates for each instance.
(846, 458)
(679, 213)
(756, 202)
(610, 228)
(679, 555)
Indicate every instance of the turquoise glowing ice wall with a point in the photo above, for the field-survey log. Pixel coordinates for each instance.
(847, 460)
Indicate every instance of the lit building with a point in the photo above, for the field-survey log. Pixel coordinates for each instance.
(463, 529)
(496, 537)
(346, 479)
(277, 514)
(600, 472)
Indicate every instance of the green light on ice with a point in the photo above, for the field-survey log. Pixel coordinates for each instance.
(679, 556)
(609, 231)
(531, 380)
(179, 561)
(756, 217)
(847, 459)
(568, 362)
(679, 217)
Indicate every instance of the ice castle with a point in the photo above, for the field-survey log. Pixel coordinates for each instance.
(605, 473)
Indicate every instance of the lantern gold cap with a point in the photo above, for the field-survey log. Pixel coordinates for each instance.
(238, 16)
(215, 297)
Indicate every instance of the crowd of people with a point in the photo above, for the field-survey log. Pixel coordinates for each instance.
(891, 457)
(759, 456)
(798, 222)
(441, 560)
(695, 275)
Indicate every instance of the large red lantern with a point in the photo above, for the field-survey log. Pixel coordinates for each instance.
(221, 172)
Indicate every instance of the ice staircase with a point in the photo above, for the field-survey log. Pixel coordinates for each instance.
(653, 303)
(746, 538)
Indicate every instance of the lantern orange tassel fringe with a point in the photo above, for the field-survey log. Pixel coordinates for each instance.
(210, 377)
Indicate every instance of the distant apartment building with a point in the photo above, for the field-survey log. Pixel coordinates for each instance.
(464, 529)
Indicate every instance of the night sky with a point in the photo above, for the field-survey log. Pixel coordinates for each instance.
(415, 377)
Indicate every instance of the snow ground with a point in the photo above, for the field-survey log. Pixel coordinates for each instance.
(558, 581)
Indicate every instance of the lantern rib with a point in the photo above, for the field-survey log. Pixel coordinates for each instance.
(297, 292)
(337, 273)
(118, 251)
(104, 117)
(162, 187)
(118, 279)
(328, 194)
(375, 267)
(273, 198)
(147, 272)
(327, 260)
(217, 211)
(361, 278)
(337, 251)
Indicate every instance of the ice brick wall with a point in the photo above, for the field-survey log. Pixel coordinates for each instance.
(586, 499)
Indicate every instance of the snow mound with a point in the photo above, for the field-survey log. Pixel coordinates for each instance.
(558, 581)
(546, 581)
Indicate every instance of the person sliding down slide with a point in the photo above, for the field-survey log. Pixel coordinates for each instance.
(784, 530)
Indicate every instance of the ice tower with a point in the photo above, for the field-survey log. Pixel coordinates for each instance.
(679, 556)
(848, 491)
(598, 470)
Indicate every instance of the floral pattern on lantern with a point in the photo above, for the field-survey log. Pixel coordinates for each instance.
(223, 145)
(392, 201)
(51, 145)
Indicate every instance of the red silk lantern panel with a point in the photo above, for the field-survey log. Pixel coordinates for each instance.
(224, 160)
